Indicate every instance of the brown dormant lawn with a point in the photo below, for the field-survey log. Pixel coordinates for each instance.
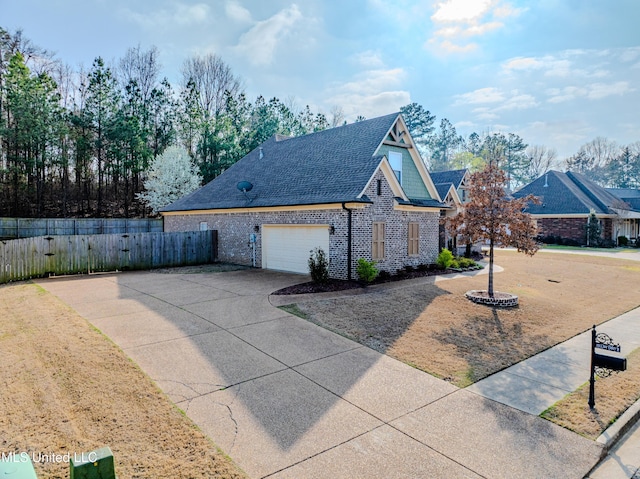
(67, 389)
(435, 328)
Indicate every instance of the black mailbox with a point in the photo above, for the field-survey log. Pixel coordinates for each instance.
(610, 362)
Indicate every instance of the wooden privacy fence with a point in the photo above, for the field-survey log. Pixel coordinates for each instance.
(14, 228)
(35, 257)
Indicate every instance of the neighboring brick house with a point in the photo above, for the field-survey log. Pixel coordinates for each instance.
(452, 188)
(566, 201)
(357, 191)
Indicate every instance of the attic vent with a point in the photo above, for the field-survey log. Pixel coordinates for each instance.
(261, 153)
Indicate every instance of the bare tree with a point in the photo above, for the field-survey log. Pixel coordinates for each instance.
(142, 67)
(592, 158)
(336, 116)
(539, 160)
(212, 77)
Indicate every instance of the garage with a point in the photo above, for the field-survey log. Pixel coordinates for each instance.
(287, 247)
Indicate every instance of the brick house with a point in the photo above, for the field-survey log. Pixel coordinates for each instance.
(566, 201)
(357, 191)
(452, 188)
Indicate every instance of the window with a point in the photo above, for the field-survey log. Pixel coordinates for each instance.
(414, 239)
(395, 160)
(377, 245)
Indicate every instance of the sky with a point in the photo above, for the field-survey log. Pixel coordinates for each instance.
(556, 72)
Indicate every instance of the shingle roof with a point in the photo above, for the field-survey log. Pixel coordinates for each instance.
(454, 177)
(624, 192)
(443, 189)
(329, 166)
(567, 193)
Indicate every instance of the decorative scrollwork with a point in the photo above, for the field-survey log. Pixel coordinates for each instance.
(604, 341)
(603, 338)
(603, 372)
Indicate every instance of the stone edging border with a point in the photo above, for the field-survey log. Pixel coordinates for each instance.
(508, 302)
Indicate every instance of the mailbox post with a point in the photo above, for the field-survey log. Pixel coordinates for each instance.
(602, 364)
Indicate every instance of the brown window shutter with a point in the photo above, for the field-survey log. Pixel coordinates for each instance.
(377, 245)
(413, 239)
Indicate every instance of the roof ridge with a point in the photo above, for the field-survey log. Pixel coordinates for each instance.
(587, 191)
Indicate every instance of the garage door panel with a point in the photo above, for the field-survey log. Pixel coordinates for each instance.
(287, 248)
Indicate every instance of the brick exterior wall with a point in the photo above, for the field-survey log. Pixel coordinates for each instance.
(396, 230)
(234, 230)
(571, 228)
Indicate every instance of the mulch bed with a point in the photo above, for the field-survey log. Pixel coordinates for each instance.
(342, 285)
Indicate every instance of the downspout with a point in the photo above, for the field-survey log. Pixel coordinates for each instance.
(348, 240)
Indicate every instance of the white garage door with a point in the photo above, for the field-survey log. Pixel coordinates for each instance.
(287, 247)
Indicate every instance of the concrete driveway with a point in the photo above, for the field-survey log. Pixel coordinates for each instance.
(287, 399)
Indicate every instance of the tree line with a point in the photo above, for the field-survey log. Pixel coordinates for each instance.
(80, 142)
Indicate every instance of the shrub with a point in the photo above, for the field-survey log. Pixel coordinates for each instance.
(444, 259)
(366, 270)
(454, 264)
(607, 243)
(623, 241)
(319, 266)
(466, 263)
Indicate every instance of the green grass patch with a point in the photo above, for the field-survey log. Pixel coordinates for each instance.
(295, 310)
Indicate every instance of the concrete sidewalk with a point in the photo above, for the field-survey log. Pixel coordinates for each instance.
(537, 383)
(623, 461)
(285, 398)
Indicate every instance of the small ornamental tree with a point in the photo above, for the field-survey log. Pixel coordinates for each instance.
(171, 176)
(594, 230)
(493, 216)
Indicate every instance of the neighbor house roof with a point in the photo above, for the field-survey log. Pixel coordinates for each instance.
(330, 166)
(631, 196)
(443, 189)
(454, 177)
(567, 193)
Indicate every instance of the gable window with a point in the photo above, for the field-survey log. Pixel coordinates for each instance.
(395, 160)
(377, 244)
(414, 239)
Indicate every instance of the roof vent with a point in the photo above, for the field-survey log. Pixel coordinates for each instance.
(261, 153)
(546, 180)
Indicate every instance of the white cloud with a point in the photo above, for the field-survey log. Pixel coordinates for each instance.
(177, 14)
(482, 95)
(260, 42)
(518, 102)
(593, 91)
(368, 59)
(485, 114)
(630, 54)
(370, 93)
(462, 19)
(603, 90)
(461, 10)
(522, 63)
(237, 12)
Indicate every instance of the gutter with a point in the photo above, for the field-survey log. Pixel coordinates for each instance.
(349, 235)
